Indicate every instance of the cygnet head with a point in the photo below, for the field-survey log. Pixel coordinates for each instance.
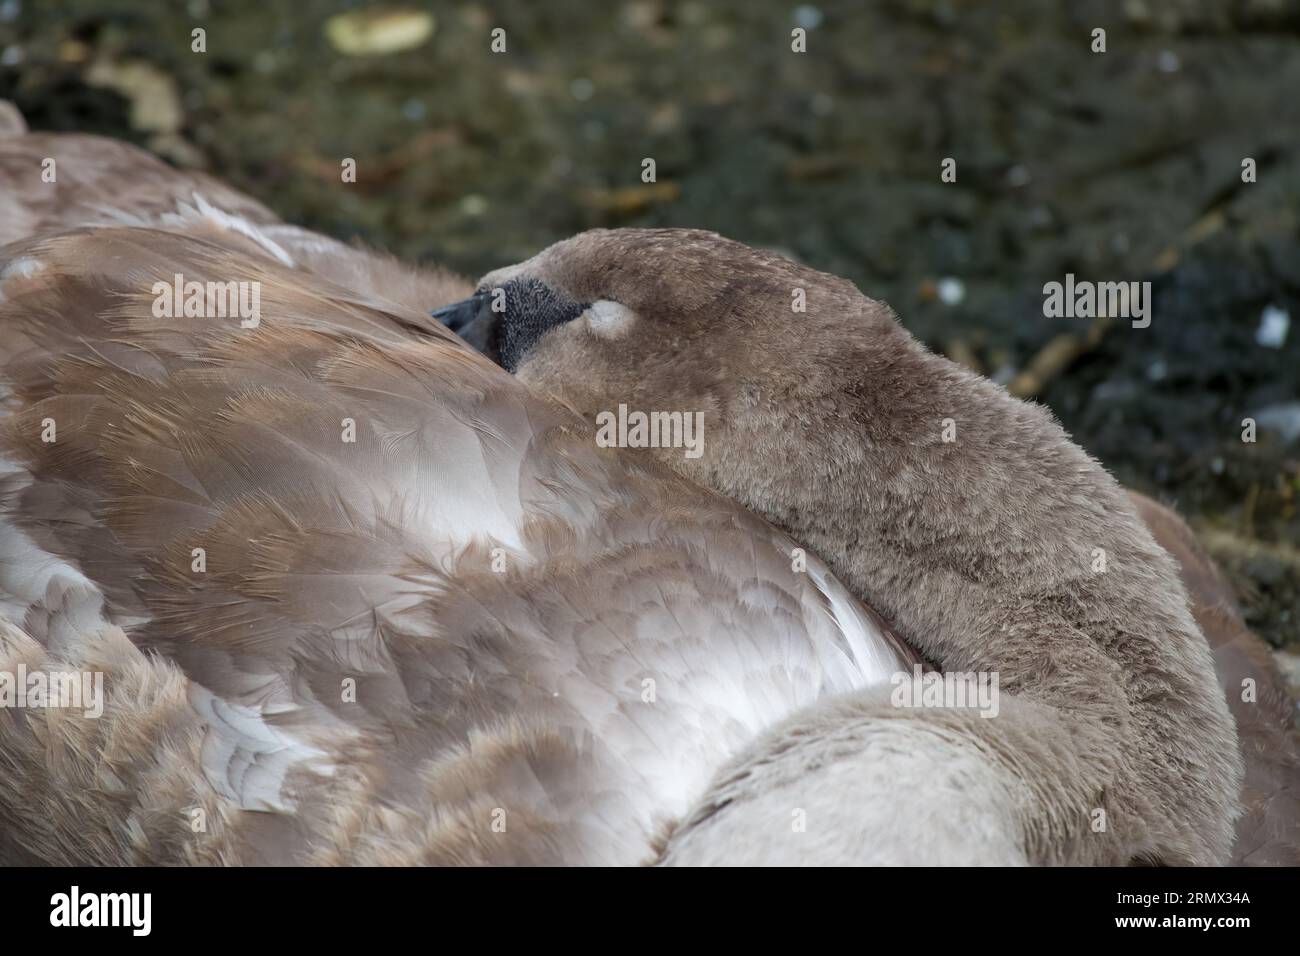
(683, 320)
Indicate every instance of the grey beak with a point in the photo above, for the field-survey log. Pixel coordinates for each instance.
(460, 314)
(473, 320)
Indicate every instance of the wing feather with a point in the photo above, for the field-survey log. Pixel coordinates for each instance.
(468, 610)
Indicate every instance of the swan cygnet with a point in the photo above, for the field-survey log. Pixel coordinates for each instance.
(354, 594)
(965, 517)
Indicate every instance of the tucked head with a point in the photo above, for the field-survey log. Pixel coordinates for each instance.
(671, 319)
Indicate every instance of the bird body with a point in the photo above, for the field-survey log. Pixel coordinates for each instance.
(356, 595)
(1268, 830)
(968, 519)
